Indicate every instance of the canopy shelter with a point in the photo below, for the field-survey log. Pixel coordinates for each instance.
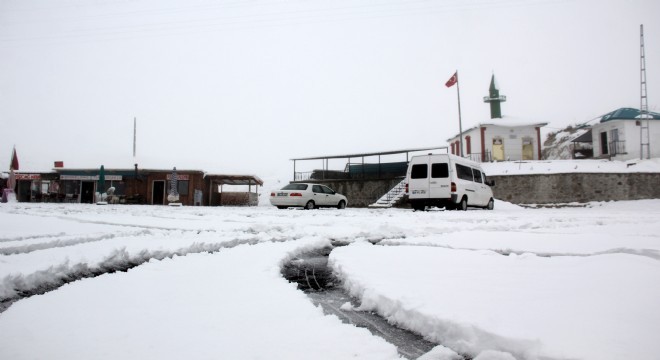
(216, 196)
(582, 146)
(361, 169)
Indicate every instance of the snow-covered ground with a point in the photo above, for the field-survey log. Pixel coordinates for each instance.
(205, 283)
(536, 167)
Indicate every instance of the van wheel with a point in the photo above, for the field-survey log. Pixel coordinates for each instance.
(418, 207)
(342, 205)
(491, 204)
(310, 205)
(463, 204)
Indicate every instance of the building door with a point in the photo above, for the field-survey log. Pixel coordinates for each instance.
(604, 146)
(498, 149)
(158, 193)
(527, 149)
(87, 192)
(24, 190)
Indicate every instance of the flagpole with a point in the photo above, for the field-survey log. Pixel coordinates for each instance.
(460, 123)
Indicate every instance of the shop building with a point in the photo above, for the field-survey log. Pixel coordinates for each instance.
(136, 186)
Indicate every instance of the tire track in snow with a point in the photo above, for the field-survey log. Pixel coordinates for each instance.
(24, 249)
(31, 237)
(651, 253)
(16, 287)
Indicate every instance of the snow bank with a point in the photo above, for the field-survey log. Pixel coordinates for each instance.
(233, 305)
(529, 167)
(197, 274)
(597, 307)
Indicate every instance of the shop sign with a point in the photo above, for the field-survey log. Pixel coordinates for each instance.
(90, 177)
(182, 177)
(27, 176)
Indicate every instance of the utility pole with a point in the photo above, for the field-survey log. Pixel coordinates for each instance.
(644, 138)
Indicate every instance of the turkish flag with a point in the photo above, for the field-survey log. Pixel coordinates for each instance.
(453, 80)
(14, 161)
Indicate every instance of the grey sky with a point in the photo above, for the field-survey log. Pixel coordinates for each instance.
(243, 86)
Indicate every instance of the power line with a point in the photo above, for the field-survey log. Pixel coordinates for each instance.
(276, 18)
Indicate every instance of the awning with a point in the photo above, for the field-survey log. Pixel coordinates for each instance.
(234, 179)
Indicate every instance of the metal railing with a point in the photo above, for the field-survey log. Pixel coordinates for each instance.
(303, 176)
(617, 147)
(478, 158)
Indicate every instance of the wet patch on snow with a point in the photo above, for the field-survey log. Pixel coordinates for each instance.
(311, 272)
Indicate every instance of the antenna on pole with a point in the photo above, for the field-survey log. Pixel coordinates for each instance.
(644, 139)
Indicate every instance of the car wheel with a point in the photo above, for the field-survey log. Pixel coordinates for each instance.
(463, 204)
(341, 205)
(310, 205)
(491, 204)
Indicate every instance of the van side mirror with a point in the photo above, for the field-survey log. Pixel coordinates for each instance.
(490, 182)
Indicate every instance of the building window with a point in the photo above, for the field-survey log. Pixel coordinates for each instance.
(498, 149)
(468, 144)
(527, 149)
(181, 187)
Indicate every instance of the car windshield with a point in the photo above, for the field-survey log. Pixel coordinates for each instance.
(295, 187)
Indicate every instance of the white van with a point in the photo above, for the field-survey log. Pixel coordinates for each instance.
(448, 181)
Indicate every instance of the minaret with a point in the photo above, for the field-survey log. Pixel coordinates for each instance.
(494, 98)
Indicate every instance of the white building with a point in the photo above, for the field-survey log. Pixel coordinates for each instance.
(500, 138)
(618, 135)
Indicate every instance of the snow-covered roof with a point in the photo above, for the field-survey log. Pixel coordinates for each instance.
(505, 121)
(627, 114)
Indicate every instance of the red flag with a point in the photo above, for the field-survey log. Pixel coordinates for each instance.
(453, 80)
(14, 161)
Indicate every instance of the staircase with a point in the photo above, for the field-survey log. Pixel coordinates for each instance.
(392, 197)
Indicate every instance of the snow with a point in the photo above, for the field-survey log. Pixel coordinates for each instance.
(540, 167)
(201, 283)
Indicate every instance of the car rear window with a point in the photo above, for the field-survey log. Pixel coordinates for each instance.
(440, 170)
(295, 187)
(419, 171)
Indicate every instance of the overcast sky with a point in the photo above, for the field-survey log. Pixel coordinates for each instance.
(242, 86)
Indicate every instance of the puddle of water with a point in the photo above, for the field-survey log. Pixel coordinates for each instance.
(313, 276)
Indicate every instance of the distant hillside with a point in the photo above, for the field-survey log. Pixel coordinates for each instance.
(557, 145)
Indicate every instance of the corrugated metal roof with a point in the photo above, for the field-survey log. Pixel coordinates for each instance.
(357, 155)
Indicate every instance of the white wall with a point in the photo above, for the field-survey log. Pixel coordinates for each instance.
(511, 136)
(630, 133)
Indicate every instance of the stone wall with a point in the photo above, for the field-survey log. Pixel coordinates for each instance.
(527, 189)
(576, 187)
(360, 193)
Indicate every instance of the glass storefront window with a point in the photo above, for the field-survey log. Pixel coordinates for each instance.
(182, 187)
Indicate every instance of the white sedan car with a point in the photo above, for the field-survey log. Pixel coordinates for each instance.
(309, 196)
